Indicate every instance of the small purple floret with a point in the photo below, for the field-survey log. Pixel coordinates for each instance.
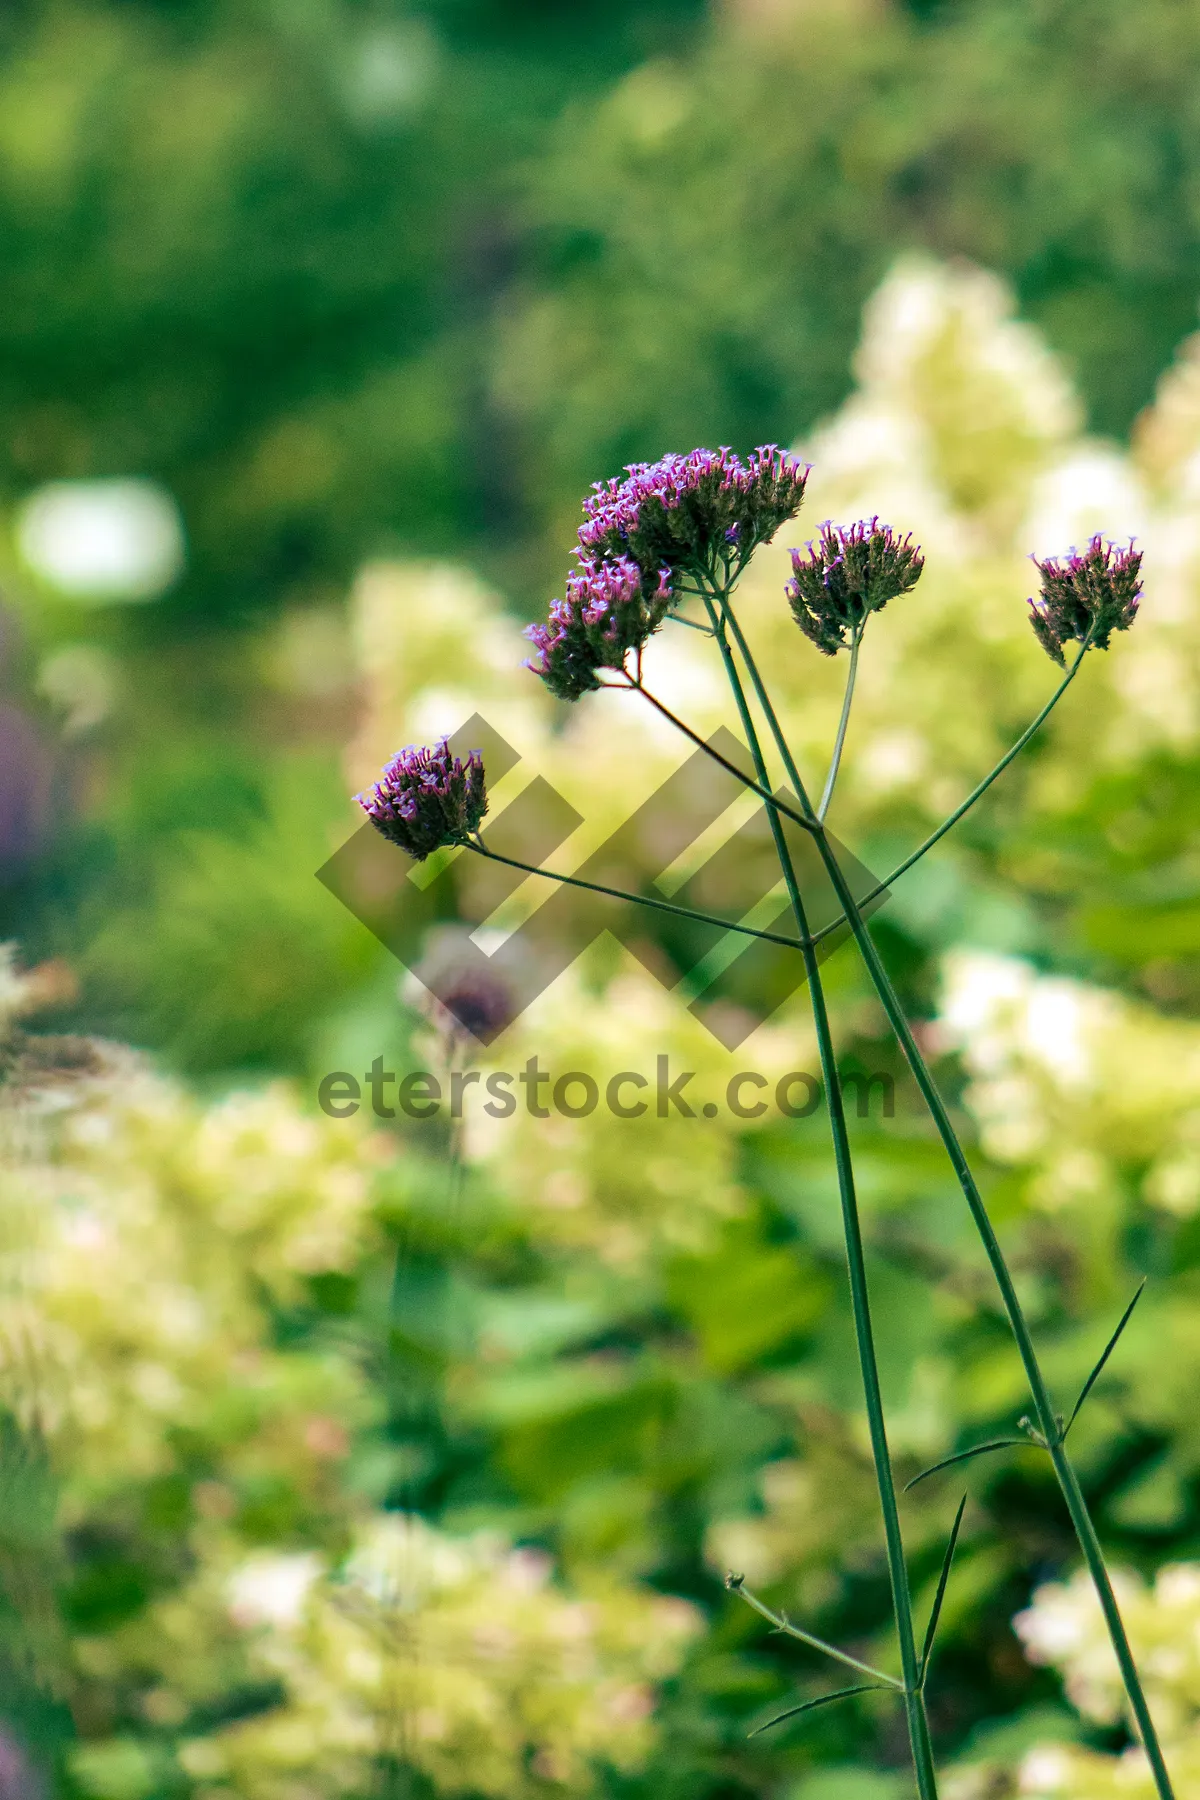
(849, 572)
(426, 798)
(690, 511)
(1086, 596)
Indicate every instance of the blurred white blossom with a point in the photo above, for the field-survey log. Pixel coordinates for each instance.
(103, 541)
(1064, 1628)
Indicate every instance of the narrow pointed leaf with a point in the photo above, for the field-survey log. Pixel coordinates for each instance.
(965, 1456)
(1111, 1345)
(869, 1687)
(943, 1578)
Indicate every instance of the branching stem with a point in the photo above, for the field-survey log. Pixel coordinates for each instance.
(758, 787)
(1051, 1429)
(783, 1624)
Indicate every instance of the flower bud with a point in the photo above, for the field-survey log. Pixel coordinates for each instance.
(425, 799)
(850, 572)
(611, 608)
(1086, 596)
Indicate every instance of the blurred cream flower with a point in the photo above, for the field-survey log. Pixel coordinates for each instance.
(1064, 1629)
(630, 1189)
(432, 647)
(456, 1655)
(1061, 1068)
(143, 1233)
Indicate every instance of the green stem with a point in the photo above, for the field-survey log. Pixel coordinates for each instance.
(976, 793)
(756, 787)
(1093, 1555)
(914, 1699)
(730, 618)
(1048, 1420)
(835, 761)
(1043, 1404)
(783, 1624)
(668, 906)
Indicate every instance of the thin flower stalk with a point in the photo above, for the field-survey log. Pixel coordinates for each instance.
(612, 893)
(914, 1699)
(839, 744)
(1051, 1428)
(960, 811)
(804, 819)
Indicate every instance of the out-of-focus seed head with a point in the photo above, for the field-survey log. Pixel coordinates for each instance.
(458, 990)
(1086, 596)
(611, 607)
(849, 572)
(426, 798)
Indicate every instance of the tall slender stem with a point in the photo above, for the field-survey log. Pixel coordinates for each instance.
(1048, 1421)
(914, 1698)
(835, 761)
(668, 906)
(1043, 1404)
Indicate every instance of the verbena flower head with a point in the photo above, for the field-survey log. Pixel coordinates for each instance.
(848, 573)
(693, 511)
(693, 514)
(427, 798)
(611, 608)
(1096, 591)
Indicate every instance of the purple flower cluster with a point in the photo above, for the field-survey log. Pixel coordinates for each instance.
(848, 573)
(611, 608)
(427, 798)
(1096, 593)
(700, 515)
(692, 512)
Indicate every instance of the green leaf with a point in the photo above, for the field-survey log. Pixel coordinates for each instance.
(870, 1687)
(1111, 1345)
(943, 1578)
(966, 1455)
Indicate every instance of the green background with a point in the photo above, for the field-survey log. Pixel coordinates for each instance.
(362, 280)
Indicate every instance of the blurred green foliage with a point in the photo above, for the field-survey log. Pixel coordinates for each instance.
(359, 280)
(253, 251)
(351, 277)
